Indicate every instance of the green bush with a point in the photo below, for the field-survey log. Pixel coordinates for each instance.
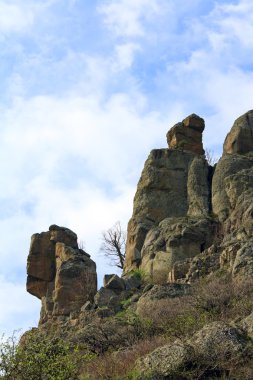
(37, 357)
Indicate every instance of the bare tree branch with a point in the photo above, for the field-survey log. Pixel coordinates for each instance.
(211, 159)
(114, 245)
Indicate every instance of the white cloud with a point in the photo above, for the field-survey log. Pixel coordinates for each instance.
(19, 16)
(232, 24)
(15, 17)
(124, 17)
(73, 162)
(14, 306)
(125, 55)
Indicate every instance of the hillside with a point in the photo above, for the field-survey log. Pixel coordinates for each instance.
(183, 308)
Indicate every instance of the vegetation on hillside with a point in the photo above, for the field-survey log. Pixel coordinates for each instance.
(217, 298)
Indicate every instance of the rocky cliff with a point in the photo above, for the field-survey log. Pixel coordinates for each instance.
(190, 221)
(185, 209)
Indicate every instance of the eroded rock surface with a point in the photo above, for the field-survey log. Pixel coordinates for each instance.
(188, 216)
(240, 138)
(61, 275)
(175, 184)
(187, 135)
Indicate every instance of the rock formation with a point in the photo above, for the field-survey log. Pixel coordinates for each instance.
(189, 219)
(172, 207)
(183, 209)
(59, 273)
(187, 135)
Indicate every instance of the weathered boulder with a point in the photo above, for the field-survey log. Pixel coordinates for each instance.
(247, 325)
(172, 241)
(203, 264)
(243, 263)
(115, 283)
(61, 275)
(224, 187)
(166, 362)
(63, 235)
(240, 138)
(219, 341)
(40, 264)
(103, 297)
(133, 281)
(187, 135)
(158, 292)
(75, 280)
(208, 354)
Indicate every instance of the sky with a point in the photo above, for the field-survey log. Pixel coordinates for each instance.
(88, 88)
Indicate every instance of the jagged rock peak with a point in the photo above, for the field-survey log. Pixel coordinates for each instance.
(187, 135)
(240, 138)
(59, 273)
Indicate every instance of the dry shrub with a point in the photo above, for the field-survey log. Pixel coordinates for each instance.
(218, 297)
(215, 298)
(119, 365)
(175, 317)
(226, 364)
(223, 298)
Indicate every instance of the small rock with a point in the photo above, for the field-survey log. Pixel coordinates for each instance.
(115, 283)
(104, 312)
(107, 278)
(133, 282)
(103, 296)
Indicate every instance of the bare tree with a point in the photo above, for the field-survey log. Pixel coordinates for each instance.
(114, 245)
(211, 159)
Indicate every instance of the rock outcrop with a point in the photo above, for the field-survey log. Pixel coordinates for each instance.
(59, 273)
(190, 220)
(171, 219)
(187, 135)
(185, 209)
(240, 138)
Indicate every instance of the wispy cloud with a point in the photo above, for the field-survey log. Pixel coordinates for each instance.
(124, 17)
(14, 306)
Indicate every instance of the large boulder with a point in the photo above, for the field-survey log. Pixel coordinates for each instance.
(40, 263)
(243, 262)
(240, 138)
(187, 135)
(219, 341)
(208, 354)
(175, 240)
(61, 275)
(231, 178)
(166, 362)
(75, 280)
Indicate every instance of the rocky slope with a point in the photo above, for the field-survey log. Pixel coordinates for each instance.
(190, 221)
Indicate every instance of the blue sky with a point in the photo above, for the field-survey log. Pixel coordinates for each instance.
(88, 88)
